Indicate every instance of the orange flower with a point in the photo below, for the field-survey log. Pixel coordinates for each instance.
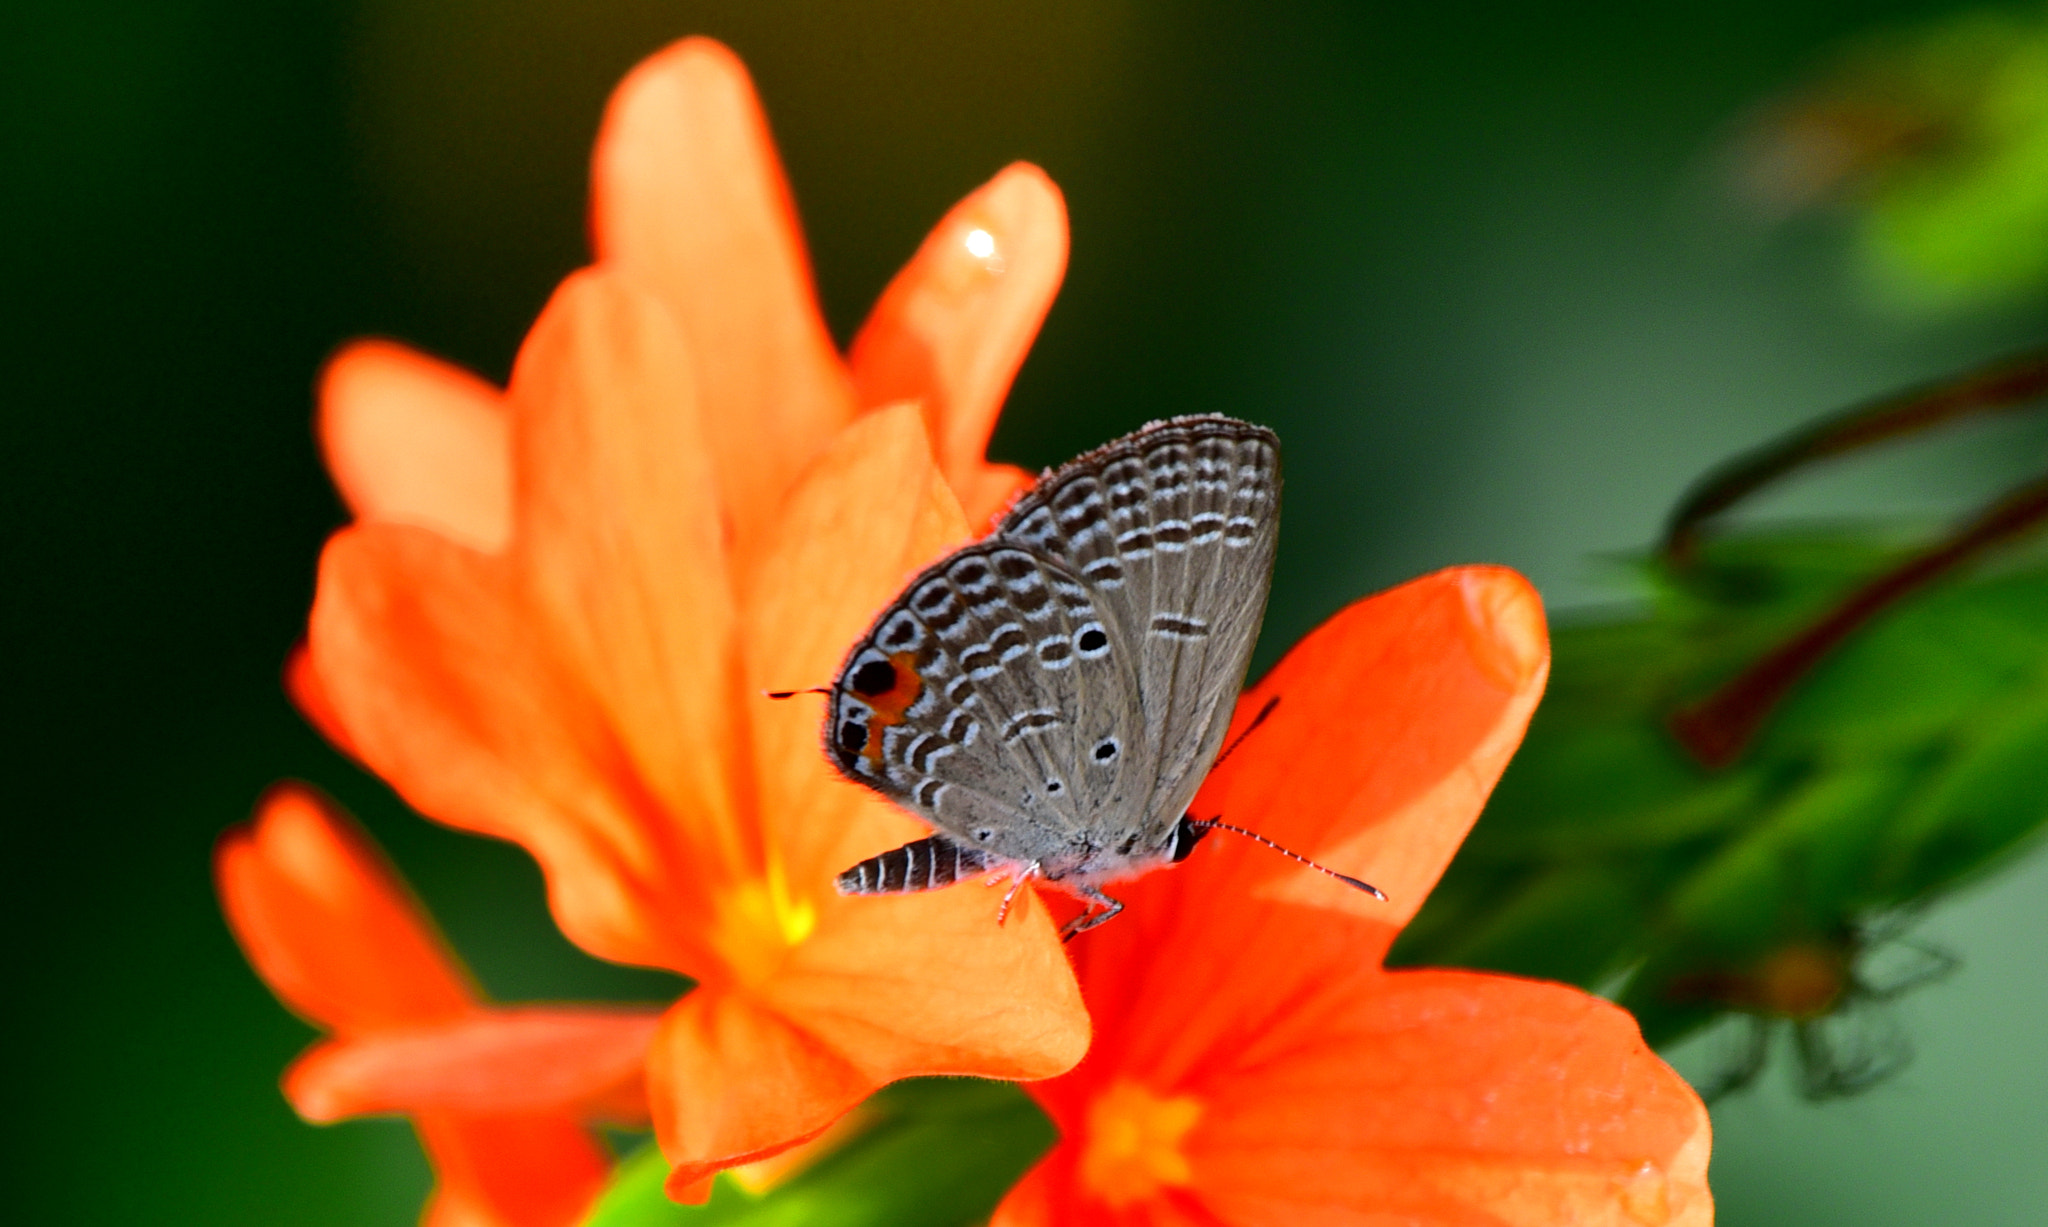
(337, 936)
(1254, 1063)
(559, 607)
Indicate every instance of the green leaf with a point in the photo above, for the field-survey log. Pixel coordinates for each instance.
(1968, 221)
(934, 1152)
(634, 1198)
(1924, 671)
(1576, 923)
(1986, 802)
(1937, 139)
(1913, 757)
(1805, 867)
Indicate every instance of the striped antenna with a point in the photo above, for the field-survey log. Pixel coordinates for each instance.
(791, 694)
(1217, 824)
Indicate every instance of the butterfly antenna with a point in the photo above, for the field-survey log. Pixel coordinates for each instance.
(791, 694)
(1249, 729)
(1215, 824)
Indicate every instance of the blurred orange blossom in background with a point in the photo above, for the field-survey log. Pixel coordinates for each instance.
(341, 941)
(553, 620)
(559, 606)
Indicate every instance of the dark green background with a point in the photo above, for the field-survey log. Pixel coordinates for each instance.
(1469, 262)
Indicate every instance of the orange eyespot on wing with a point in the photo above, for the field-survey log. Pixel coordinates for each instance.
(888, 687)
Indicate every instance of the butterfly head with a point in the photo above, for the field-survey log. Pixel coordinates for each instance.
(1185, 835)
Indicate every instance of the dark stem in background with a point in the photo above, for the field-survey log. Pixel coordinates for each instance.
(1719, 727)
(2004, 385)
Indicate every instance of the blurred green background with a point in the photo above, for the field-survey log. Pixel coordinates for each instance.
(1472, 263)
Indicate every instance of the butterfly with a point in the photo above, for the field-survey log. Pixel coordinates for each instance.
(1050, 698)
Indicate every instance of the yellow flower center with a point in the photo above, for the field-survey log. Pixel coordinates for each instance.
(761, 920)
(1133, 1146)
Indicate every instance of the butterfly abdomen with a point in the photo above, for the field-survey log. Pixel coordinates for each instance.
(927, 864)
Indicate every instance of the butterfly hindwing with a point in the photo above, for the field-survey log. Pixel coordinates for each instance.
(992, 699)
(1173, 531)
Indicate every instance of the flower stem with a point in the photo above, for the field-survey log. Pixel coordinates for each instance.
(2008, 384)
(1718, 728)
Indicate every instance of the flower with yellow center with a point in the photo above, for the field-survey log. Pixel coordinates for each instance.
(560, 606)
(1255, 1065)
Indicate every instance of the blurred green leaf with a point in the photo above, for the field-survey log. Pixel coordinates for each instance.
(1938, 138)
(1966, 218)
(1986, 799)
(1911, 758)
(930, 1152)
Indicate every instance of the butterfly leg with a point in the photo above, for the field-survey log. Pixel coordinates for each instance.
(1016, 884)
(1088, 920)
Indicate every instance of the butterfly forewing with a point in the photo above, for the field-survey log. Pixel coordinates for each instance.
(1173, 531)
(992, 699)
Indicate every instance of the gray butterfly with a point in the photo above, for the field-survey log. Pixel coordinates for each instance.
(1050, 698)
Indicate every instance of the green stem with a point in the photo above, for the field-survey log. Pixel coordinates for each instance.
(1719, 727)
(2008, 384)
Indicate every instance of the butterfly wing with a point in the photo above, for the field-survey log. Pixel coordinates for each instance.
(990, 699)
(1173, 530)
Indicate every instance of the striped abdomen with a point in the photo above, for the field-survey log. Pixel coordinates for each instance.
(927, 864)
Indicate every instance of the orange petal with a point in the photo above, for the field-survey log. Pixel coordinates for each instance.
(1047, 1197)
(1396, 718)
(862, 521)
(729, 1082)
(433, 666)
(582, 1062)
(865, 991)
(1445, 1096)
(1392, 726)
(1034, 1200)
(987, 494)
(954, 326)
(866, 517)
(913, 985)
(328, 924)
(302, 684)
(885, 988)
(511, 1171)
(619, 540)
(412, 440)
(930, 984)
(688, 197)
(1329, 1090)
